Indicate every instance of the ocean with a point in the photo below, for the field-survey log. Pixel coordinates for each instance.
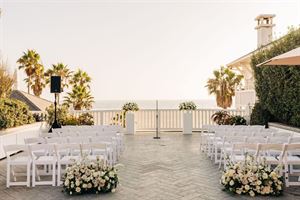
(151, 104)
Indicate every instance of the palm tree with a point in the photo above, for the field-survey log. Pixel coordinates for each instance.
(79, 98)
(29, 62)
(38, 80)
(81, 78)
(223, 86)
(61, 70)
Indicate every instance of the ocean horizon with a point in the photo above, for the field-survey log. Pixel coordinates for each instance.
(151, 104)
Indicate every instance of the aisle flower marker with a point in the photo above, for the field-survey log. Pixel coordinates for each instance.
(252, 178)
(87, 176)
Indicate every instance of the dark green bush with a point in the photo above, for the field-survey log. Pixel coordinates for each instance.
(224, 118)
(238, 120)
(14, 113)
(278, 87)
(62, 114)
(259, 115)
(64, 118)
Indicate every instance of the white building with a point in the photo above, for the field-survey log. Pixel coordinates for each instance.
(245, 95)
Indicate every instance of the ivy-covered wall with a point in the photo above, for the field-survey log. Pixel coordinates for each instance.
(278, 87)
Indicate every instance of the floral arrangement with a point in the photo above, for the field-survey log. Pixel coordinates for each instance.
(130, 106)
(252, 178)
(189, 105)
(87, 176)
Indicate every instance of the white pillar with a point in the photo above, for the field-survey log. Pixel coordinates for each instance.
(187, 122)
(130, 123)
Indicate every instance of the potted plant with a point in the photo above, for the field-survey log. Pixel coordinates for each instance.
(187, 117)
(129, 108)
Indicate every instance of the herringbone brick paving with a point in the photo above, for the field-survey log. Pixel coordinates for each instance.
(171, 168)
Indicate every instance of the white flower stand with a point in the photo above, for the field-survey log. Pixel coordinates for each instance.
(130, 123)
(187, 123)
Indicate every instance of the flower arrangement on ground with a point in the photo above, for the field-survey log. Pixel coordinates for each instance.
(87, 176)
(252, 178)
(189, 105)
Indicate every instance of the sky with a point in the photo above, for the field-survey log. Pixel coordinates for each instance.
(138, 49)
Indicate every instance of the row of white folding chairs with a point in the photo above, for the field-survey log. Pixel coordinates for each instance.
(287, 155)
(114, 150)
(87, 133)
(222, 148)
(116, 128)
(208, 139)
(52, 157)
(217, 145)
(213, 128)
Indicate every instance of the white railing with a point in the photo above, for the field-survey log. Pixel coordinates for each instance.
(169, 119)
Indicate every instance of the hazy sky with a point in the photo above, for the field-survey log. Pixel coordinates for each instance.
(139, 49)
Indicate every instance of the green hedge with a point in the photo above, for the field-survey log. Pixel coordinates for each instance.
(14, 113)
(278, 87)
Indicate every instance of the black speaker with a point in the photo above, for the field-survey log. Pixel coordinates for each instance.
(55, 84)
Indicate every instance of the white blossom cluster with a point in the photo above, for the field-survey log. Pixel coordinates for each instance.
(130, 106)
(252, 178)
(189, 105)
(87, 176)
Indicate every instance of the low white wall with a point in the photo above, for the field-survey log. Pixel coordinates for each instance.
(18, 134)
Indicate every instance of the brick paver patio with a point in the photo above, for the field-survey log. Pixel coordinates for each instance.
(171, 169)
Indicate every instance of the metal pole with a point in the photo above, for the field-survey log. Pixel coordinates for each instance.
(157, 121)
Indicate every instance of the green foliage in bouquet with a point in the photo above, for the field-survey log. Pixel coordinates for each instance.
(252, 178)
(189, 105)
(14, 113)
(130, 106)
(86, 177)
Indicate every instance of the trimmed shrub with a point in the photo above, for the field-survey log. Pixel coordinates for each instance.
(14, 113)
(278, 87)
(259, 115)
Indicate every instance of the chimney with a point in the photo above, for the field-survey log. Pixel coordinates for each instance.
(264, 29)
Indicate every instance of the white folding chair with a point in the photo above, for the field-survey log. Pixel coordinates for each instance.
(65, 157)
(282, 134)
(98, 150)
(240, 150)
(271, 152)
(226, 147)
(22, 159)
(78, 140)
(56, 140)
(35, 140)
(291, 158)
(48, 158)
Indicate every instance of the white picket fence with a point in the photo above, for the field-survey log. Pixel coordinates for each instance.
(169, 119)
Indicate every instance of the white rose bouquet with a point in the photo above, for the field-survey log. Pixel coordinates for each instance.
(252, 178)
(189, 105)
(86, 176)
(130, 106)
